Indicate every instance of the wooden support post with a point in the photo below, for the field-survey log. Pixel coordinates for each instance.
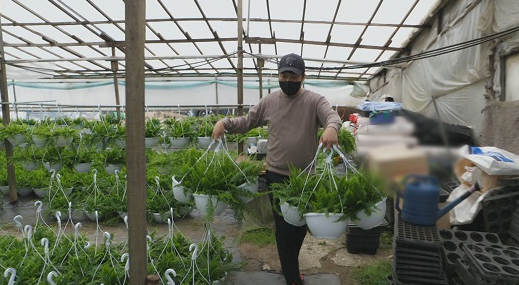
(239, 70)
(6, 116)
(135, 11)
(115, 69)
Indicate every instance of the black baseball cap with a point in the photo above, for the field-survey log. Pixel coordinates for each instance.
(292, 62)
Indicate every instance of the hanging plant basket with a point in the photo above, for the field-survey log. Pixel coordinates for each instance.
(182, 195)
(374, 219)
(17, 139)
(24, 191)
(78, 215)
(151, 142)
(252, 187)
(326, 227)
(291, 215)
(39, 143)
(202, 200)
(178, 142)
(121, 143)
(63, 141)
(92, 216)
(30, 165)
(83, 167)
(204, 142)
(41, 192)
(4, 190)
(111, 168)
(53, 165)
(160, 218)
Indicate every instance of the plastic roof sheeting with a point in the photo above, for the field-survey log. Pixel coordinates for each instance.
(199, 37)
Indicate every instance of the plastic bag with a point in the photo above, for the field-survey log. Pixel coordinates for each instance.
(492, 160)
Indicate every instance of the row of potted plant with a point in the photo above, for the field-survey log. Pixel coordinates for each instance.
(44, 255)
(110, 131)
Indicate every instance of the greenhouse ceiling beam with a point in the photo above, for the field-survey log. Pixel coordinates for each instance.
(359, 39)
(213, 19)
(252, 40)
(325, 43)
(119, 58)
(186, 34)
(329, 36)
(390, 39)
(46, 38)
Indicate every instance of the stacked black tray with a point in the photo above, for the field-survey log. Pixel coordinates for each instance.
(514, 224)
(363, 241)
(492, 265)
(417, 255)
(452, 242)
(497, 209)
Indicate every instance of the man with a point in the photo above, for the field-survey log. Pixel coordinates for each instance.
(293, 115)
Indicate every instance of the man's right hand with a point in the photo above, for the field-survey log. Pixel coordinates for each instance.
(218, 131)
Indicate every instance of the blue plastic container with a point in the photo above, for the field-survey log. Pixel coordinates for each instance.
(380, 118)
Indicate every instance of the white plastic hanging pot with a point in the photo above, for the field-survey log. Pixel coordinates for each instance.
(63, 141)
(367, 222)
(151, 142)
(24, 191)
(111, 168)
(30, 165)
(204, 142)
(39, 143)
(180, 193)
(78, 214)
(92, 215)
(17, 139)
(83, 167)
(201, 204)
(251, 186)
(120, 143)
(325, 227)
(178, 142)
(291, 215)
(41, 192)
(159, 218)
(52, 165)
(4, 190)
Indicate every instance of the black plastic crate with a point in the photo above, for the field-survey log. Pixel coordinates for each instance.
(363, 241)
(367, 243)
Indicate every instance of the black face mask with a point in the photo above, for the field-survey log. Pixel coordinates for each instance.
(290, 87)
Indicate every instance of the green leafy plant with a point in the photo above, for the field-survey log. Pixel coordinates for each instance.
(153, 128)
(14, 128)
(180, 128)
(114, 156)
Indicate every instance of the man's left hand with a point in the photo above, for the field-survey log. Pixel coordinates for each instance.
(329, 138)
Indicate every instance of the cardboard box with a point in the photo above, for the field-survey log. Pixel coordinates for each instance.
(396, 161)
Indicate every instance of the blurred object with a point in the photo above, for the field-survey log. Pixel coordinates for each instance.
(427, 131)
(379, 106)
(395, 161)
(400, 127)
(376, 141)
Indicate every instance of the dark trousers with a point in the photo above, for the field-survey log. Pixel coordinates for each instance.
(289, 238)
